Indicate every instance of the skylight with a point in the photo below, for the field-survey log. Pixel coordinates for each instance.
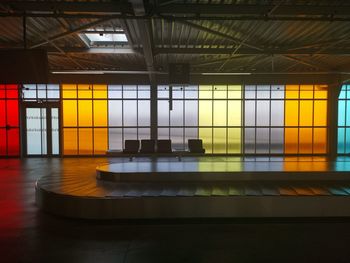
(104, 37)
(101, 37)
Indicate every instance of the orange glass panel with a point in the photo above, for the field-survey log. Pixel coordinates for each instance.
(306, 91)
(321, 92)
(291, 113)
(100, 140)
(291, 140)
(85, 141)
(100, 112)
(292, 91)
(100, 91)
(69, 91)
(84, 91)
(70, 141)
(85, 113)
(305, 140)
(69, 113)
(305, 112)
(320, 140)
(320, 117)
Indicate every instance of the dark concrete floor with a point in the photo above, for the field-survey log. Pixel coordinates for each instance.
(28, 235)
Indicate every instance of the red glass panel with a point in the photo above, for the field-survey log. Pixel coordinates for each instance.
(2, 142)
(2, 113)
(2, 91)
(12, 91)
(12, 113)
(13, 142)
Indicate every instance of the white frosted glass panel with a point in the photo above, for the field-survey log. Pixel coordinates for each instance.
(191, 113)
(249, 92)
(144, 92)
(163, 133)
(41, 91)
(263, 113)
(249, 108)
(191, 92)
(144, 133)
(115, 113)
(115, 138)
(129, 92)
(263, 92)
(262, 140)
(55, 131)
(130, 134)
(176, 136)
(43, 132)
(178, 92)
(36, 131)
(277, 113)
(29, 91)
(114, 91)
(53, 91)
(163, 113)
(277, 91)
(176, 114)
(163, 92)
(144, 113)
(249, 140)
(130, 112)
(277, 140)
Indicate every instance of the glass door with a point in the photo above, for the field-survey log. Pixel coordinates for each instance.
(42, 131)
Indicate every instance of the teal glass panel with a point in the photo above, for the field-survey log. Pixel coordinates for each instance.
(347, 140)
(341, 140)
(342, 94)
(341, 112)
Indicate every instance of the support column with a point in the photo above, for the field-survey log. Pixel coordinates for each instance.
(333, 94)
(154, 112)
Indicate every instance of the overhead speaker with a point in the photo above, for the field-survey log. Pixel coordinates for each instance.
(24, 66)
(179, 74)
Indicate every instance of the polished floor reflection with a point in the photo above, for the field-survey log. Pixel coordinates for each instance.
(28, 235)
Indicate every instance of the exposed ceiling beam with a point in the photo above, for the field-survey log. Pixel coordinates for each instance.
(73, 31)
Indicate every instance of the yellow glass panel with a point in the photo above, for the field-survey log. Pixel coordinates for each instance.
(205, 113)
(206, 135)
(305, 112)
(219, 140)
(70, 141)
(291, 113)
(220, 111)
(306, 91)
(321, 92)
(85, 112)
(84, 91)
(234, 113)
(100, 91)
(320, 140)
(292, 91)
(234, 140)
(69, 113)
(69, 91)
(85, 141)
(205, 92)
(234, 92)
(320, 116)
(220, 92)
(100, 140)
(100, 112)
(305, 140)
(291, 140)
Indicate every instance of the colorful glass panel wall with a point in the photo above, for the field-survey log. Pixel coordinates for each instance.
(344, 120)
(306, 119)
(100, 117)
(9, 120)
